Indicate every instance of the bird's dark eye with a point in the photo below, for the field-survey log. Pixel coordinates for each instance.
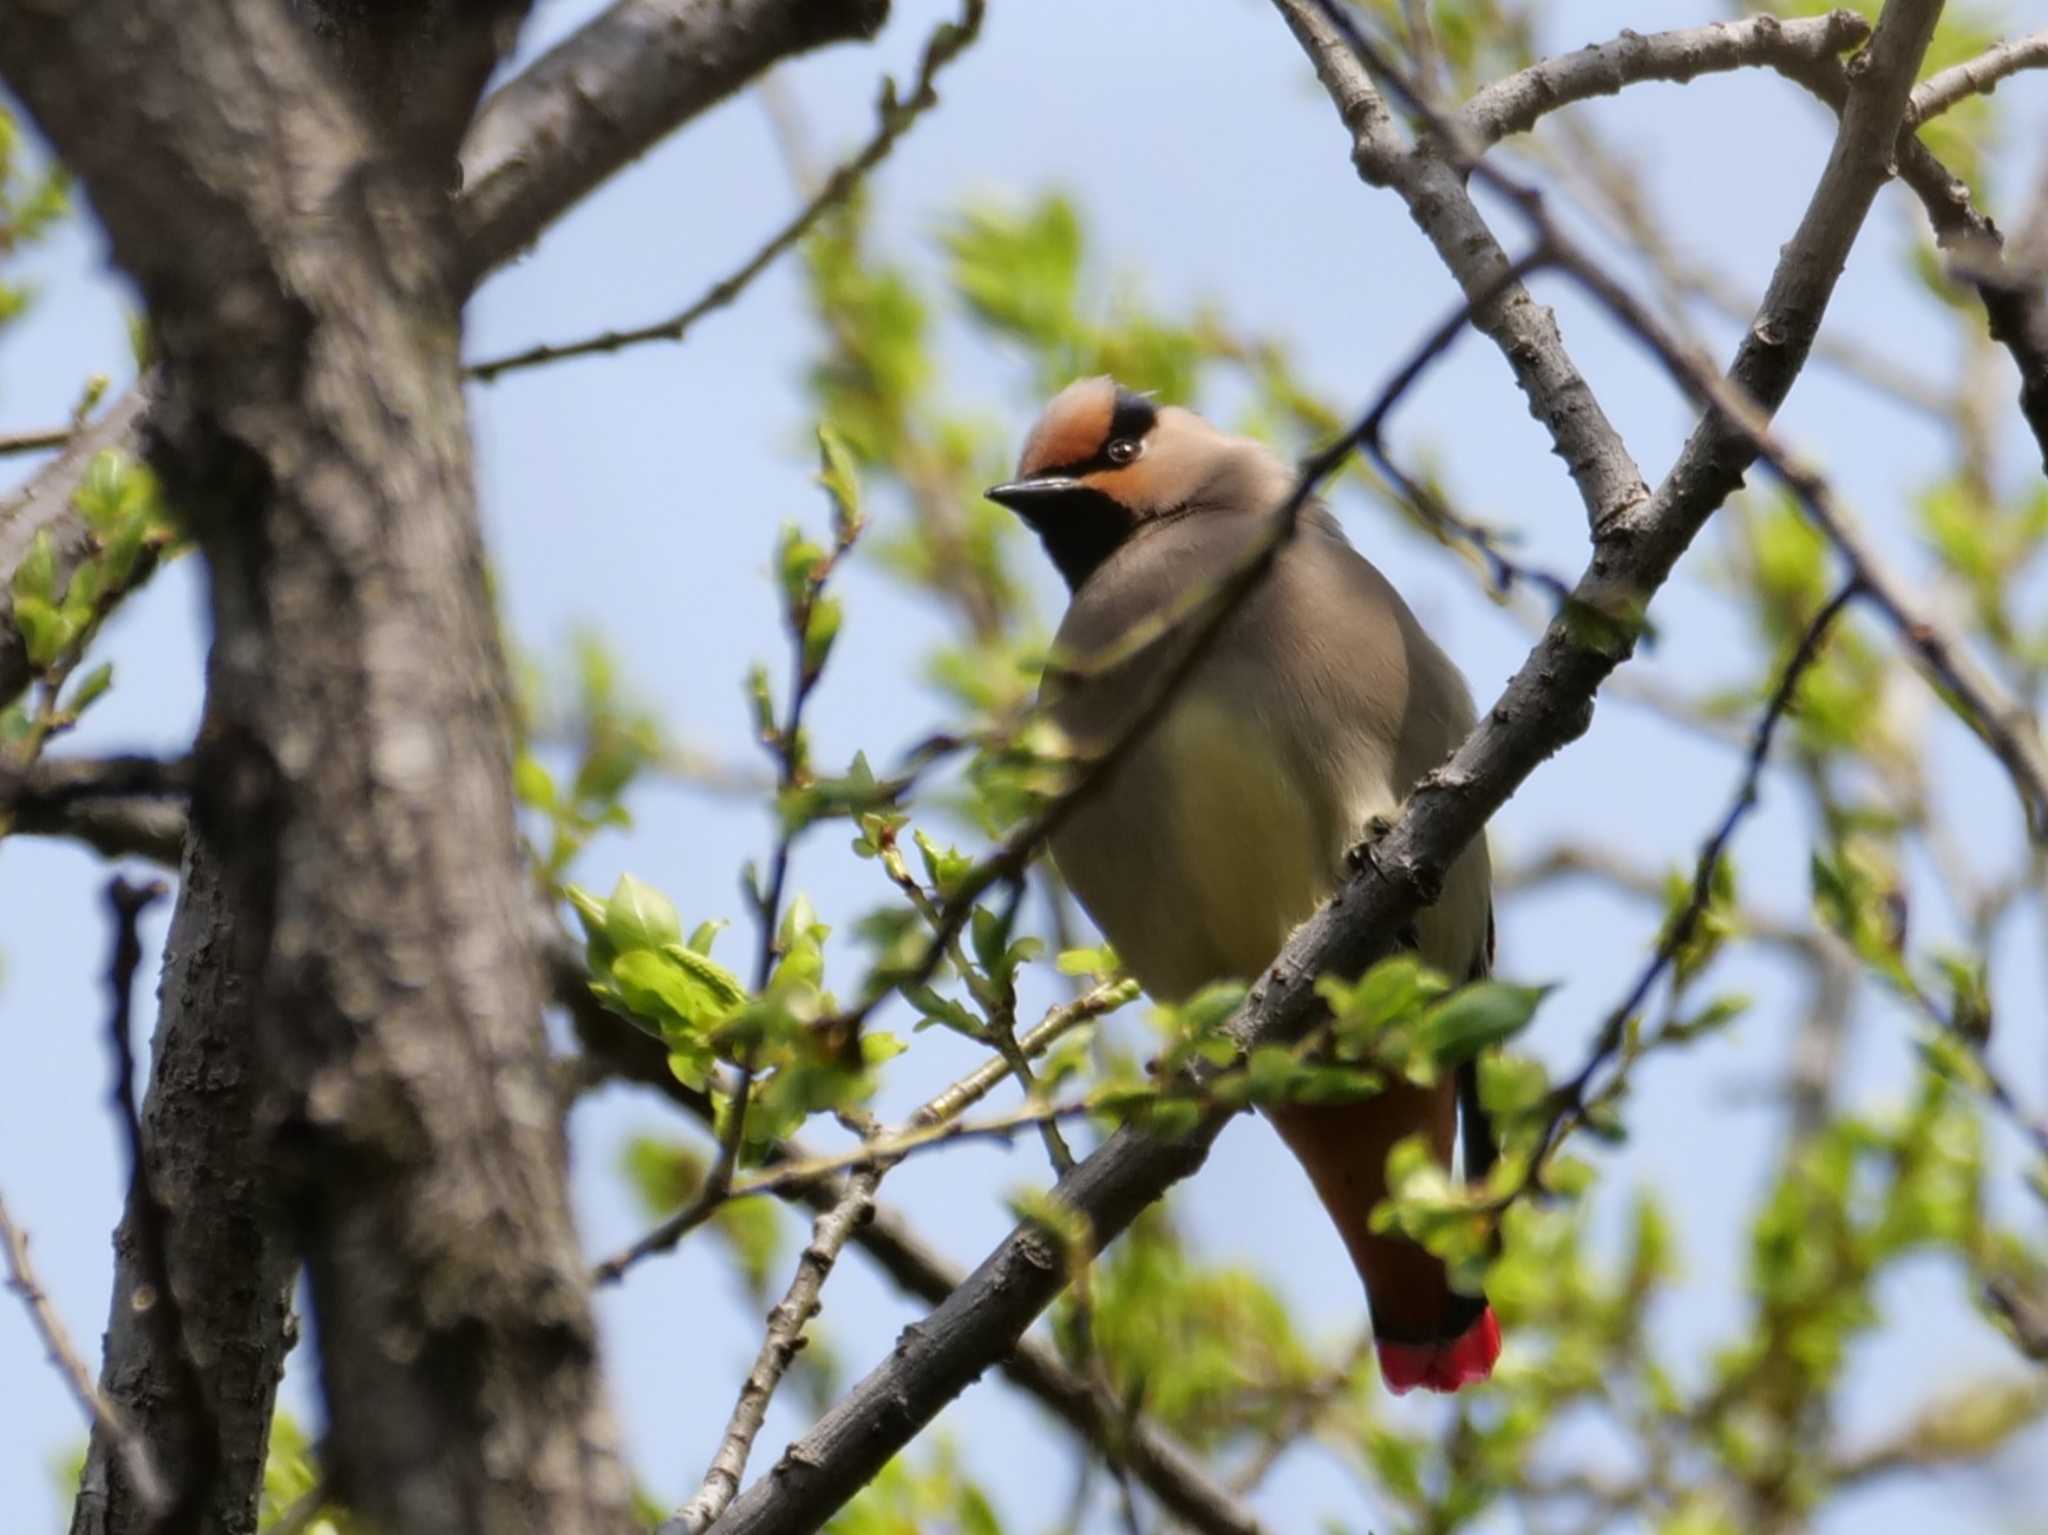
(1122, 450)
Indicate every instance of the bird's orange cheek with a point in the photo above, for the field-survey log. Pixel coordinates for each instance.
(1131, 485)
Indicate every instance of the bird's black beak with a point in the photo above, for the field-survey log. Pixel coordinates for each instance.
(1030, 498)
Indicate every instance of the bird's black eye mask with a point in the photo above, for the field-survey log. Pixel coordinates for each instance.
(1133, 417)
(1080, 525)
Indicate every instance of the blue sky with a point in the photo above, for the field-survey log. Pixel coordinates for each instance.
(641, 493)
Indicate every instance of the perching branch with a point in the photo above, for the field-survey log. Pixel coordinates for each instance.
(1546, 705)
(944, 45)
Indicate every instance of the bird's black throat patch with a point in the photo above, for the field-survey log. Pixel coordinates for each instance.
(1080, 528)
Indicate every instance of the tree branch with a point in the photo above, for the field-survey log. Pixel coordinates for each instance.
(35, 442)
(43, 505)
(101, 1415)
(1547, 705)
(204, 1142)
(1434, 190)
(119, 806)
(600, 98)
(198, 1459)
(1569, 1102)
(829, 1234)
(945, 44)
(1175, 1477)
(1978, 76)
(1521, 100)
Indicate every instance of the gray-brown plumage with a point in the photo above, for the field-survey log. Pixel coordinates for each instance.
(1318, 706)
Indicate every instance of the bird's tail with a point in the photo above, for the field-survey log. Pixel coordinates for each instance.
(1427, 1333)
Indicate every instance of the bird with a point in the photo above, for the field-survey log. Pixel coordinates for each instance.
(1309, 715)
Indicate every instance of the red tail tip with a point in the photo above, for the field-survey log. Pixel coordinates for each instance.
(1443, 1366)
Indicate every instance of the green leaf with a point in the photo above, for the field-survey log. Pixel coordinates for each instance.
(36, 576)
(716, 980)
(92, 686)
(820, 630)
(640, 917)
(680, 999)
(533, 783)
(590, 912)
(46, 633)
(836, 472)
(1479, 1016)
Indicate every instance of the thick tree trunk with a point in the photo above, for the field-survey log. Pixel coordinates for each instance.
(303, 283)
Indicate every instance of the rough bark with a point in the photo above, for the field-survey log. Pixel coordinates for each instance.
(355, 779)
(226, 1250)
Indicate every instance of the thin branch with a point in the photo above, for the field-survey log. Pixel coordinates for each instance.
(1433, 188)
(135, 1457)
(1569, 1101)
(1608, 866)
(1977, 77)
(946, 43)
(35, 442)
(156, 1296)
(1518, 102)
(119, 806)
(789, 1175)
(829, 1234)
(1998, 719)
(1180, 1481)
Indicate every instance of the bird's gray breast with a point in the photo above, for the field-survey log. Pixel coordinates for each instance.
(1225, 824)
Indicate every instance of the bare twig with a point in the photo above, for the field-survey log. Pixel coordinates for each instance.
(883, 1152)
(1433, 187)
(135, 1457)
(829, 1234)
(1518, 102)
(1978, 76)
(944, 45)
(34, 442)
(1569, 1101)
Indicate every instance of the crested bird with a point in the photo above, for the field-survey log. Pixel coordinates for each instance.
(1312, 713)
